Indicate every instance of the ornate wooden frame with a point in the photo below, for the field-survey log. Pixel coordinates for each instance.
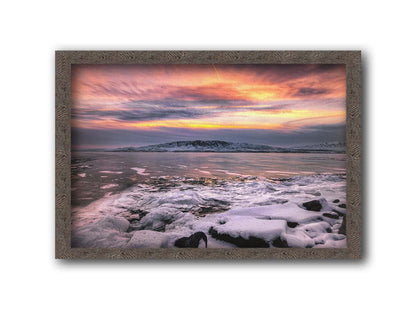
(64, 60)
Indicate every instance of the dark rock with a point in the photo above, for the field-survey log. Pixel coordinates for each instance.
(134, 222)
(160, 228)
(343, 228)
(211, 206)
(342, 206)
(331, 215)
(137, 216)
(313, 205)
(136, 211)
(292, 224)
(340, 213)
(274, 201)
(192, 241)
(251, 242)
(280, 243)
(336, 201)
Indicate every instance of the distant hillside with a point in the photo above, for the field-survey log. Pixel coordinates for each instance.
(229, 147)
(334, 147)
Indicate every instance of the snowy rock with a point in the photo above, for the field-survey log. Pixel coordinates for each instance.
(115, 223)
(192, 241)
(331, 215)
(149, 239)
(250, 232)
(330, 240)
(339, 211)
(249, 242)
(316, 229)
(157, 219)
(107, 232)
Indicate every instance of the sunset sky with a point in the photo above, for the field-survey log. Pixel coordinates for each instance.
(136, 105)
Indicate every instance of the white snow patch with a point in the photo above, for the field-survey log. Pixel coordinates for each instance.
(113, 172)
(82, 175)
(108, 186)
(246, 227)
(140, 171)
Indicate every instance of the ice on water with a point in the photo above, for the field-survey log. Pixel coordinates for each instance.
(156, 213)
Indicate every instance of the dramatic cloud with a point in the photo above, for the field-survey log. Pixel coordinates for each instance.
(311, 91)
(183, 100)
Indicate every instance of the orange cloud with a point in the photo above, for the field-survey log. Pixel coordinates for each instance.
(215, 96)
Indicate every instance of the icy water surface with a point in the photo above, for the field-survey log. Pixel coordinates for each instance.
(146, 199)
(96, 174)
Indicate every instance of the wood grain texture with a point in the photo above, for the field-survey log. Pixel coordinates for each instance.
(63, 62)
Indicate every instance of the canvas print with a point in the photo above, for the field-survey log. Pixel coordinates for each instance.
(208, 156)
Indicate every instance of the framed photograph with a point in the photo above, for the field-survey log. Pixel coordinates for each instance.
(208, 154)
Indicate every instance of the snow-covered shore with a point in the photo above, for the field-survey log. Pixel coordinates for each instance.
(241, 211)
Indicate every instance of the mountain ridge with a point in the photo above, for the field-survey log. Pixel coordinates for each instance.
(230, 147)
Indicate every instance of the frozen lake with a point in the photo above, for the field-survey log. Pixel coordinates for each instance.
(150, 199)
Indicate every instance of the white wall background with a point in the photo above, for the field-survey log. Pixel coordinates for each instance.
(32, 30)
